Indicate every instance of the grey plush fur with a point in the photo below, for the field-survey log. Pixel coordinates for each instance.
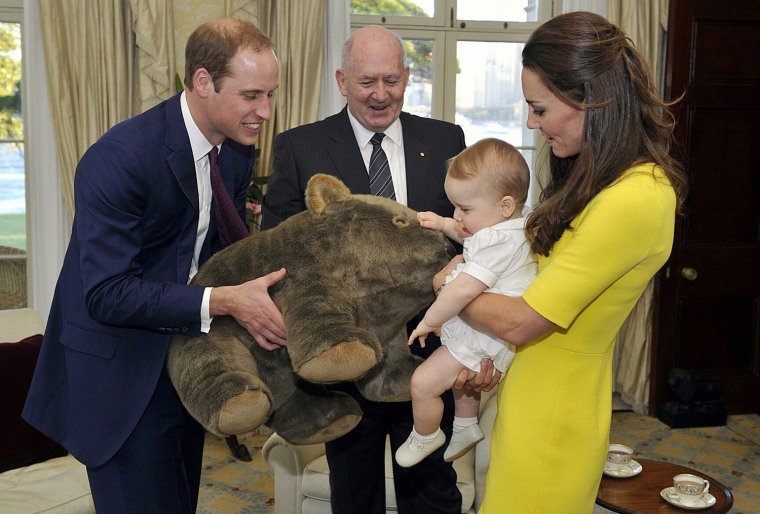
(358, 267)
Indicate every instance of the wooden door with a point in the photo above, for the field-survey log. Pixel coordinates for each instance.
(707, 310)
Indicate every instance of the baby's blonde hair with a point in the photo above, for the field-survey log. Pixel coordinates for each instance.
(500, 164)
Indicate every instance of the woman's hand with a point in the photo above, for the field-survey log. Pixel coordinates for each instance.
(485, 380)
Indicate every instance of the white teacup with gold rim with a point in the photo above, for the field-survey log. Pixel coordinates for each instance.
(690, 488)
(619, 457)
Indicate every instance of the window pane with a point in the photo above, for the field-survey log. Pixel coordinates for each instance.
(497, 10)
(489, 100)
(12, 196)
(419, 91)
(418, 8)
(12, 180)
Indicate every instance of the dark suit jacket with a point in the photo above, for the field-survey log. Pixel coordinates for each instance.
(122, 291)
(329, 146)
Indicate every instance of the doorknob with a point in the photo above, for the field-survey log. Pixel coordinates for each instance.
(689, 274)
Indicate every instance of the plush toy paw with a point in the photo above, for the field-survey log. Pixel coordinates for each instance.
(244, 412)
(342, 362)
(329, 433)
(330, 414)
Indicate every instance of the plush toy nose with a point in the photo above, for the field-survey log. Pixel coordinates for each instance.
(450, 250)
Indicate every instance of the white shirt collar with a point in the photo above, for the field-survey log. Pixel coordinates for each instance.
(198, 142)
(392, 133)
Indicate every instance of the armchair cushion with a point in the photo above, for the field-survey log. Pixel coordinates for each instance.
(56, 486)
(302, 476)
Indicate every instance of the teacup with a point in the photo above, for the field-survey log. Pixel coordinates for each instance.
(619, 456)
(690, 488)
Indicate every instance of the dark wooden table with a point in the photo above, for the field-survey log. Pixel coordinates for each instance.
(641, 494)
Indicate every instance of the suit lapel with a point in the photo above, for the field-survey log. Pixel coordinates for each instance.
(182, 165)
(345, 154)
(180, 158)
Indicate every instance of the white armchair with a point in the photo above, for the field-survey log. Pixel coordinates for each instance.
(55, 486)
(301, 473)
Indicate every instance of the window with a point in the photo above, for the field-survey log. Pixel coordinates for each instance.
(13, 293)
(465, 63)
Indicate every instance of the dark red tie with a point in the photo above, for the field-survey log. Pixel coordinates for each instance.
(231, 227)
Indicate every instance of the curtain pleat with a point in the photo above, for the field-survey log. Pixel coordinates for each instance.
(88, 46)
(641, 21)
(153, 25)
(297, 29)
(644, 24)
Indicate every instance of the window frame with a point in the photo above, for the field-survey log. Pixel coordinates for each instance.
(446, 17)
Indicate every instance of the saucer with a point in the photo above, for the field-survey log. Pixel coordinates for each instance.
(631, 470)
(669, 495)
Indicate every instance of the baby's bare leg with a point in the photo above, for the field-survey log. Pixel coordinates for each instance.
(430, 380)
(466, 402)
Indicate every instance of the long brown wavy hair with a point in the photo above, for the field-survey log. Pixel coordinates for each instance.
(589, 63)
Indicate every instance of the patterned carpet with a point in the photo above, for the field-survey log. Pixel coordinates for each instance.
(231, 486)
(730, 454)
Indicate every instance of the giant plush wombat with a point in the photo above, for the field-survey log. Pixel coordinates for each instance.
(358, 267)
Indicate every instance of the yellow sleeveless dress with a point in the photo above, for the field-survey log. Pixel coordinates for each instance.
(554, 406)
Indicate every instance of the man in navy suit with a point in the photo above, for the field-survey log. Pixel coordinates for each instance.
(373, 78)
(144, 224)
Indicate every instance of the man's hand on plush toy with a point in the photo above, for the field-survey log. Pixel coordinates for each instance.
(249, 303)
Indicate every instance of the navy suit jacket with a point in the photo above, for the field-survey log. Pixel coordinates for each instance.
(122, 291)
(329, 146)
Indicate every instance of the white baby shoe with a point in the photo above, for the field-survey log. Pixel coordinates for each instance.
(413, 450)
(461, 442)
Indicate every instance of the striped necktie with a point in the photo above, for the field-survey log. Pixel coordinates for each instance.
(380, 182)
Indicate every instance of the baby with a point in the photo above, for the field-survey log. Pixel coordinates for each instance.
(488, 185)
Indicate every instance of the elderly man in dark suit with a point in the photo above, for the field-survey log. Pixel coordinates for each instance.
(146, 219)
(414, 150)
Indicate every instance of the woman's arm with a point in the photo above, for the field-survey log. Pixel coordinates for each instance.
(499, 316)
(505, 317)
(453, 298)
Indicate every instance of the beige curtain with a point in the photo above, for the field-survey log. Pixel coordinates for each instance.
(644, 22)
(88, 47)
(153, 25)
(107, 60)
(297, 29)
(634, 342)
(246, 10)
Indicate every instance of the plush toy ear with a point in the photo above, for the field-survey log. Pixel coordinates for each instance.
(323, 190)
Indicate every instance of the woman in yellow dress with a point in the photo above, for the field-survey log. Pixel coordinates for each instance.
(603, 228)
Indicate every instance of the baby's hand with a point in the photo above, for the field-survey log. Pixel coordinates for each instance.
(421, 332)
(431, 220)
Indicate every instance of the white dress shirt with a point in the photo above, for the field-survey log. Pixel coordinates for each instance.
(201, 147)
